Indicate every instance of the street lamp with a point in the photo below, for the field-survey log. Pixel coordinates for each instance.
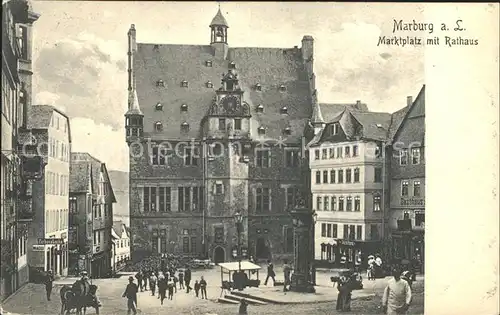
(238, 219)
(313, 248)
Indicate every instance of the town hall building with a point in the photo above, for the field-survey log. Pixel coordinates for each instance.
(212, 130)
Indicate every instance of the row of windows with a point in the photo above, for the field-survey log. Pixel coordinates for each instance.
(99, 237)
(122, 258)
(351, 176)
(341, 152)
(100, 210)
(414, 156)
(59, 150)
(405, 189)
(55, 122)
(122, 243)
(209, 84)
(191, 199)
(350, 232)
(222, 126)
(159, 199)
(57, 184)
(191, 157)
(419, 217)
(56, 220)
(334, 203)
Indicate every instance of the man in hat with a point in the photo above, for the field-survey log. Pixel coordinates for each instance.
(49, 280)
(131, 295)
(397, 295)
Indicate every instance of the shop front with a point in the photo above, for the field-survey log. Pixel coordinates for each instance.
(340, 253)
(409, 246)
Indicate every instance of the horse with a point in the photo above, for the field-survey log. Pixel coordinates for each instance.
(75, 298)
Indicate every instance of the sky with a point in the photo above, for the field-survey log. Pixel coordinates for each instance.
(80, 51)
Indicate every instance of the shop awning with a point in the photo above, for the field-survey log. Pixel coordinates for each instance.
(233, 266)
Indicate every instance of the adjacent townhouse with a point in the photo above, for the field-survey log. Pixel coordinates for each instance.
(121, 246)
(348, 167)
(91, 202)
(49, 129)
(407, 183)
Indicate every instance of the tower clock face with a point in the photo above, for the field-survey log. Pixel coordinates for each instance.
(231, 104)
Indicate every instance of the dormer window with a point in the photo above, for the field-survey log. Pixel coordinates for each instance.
(282, 88)
(284, 110)
(160, 83)
(158, 126)
(210, 84)
(208, 63)
(159, 106)
(184, 108)
(260, 108)
(232, 65)
(184, 126)
(258, 87)
(335, 129)
(287, 131)
(184, 83)
(261, 130)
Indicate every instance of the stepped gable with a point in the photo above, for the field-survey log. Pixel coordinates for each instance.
(269, 67)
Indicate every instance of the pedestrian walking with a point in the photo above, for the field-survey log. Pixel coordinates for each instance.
(49, 281)
(181, 279)
(203, 288)
(370, 272)
(243, 307)
(145, 278)
(187, 279)
(170, 286)
(397, 295)
(139, 277)
(287, 270)
(152, 283)
(162, 288)
(175, 282)
(196, 288)
(270, 272)
(131, 295)
(344, 286)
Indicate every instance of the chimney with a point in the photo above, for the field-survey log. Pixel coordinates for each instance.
(409, 100)
(358, 103)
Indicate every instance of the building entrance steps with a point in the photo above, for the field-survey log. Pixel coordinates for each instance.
(234, 296)
(272, 295)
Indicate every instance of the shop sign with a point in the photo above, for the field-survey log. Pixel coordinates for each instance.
(346, 243)
(50, 241)
(38, 248)
(412, 202)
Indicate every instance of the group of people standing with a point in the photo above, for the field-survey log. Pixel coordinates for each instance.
(165, 281)
(396, 298)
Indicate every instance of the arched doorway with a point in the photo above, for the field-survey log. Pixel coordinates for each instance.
(262, 249)
(219, 255)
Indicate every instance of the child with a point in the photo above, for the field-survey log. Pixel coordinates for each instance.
(196, 288)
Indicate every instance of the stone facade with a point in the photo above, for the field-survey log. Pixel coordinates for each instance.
(242, 132)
